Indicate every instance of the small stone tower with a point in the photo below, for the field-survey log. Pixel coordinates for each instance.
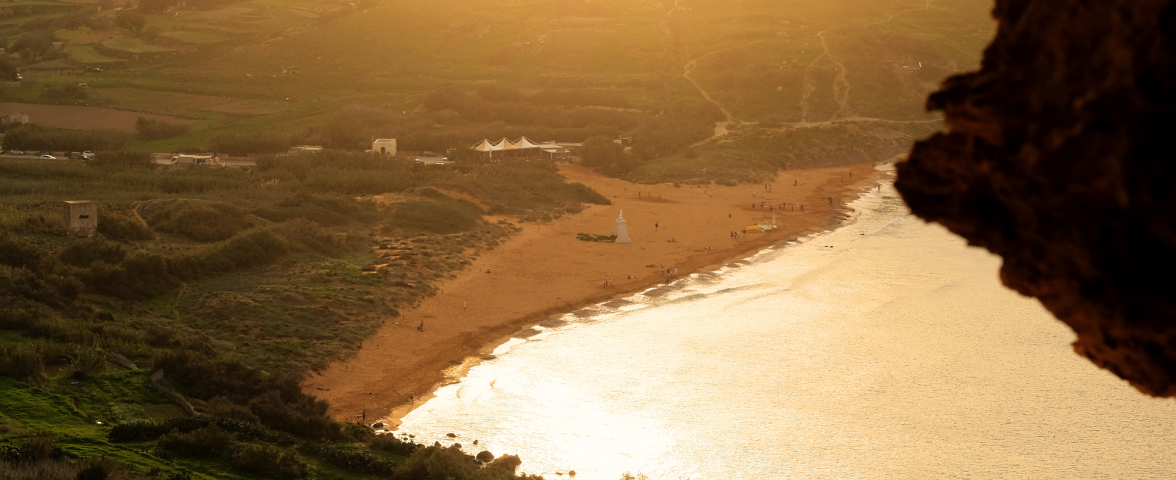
(81, 217)
(621, 230)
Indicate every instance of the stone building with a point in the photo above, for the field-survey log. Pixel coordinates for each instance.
(384, 146)
(81, 217)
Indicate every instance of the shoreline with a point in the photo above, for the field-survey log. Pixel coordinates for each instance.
(392, 381)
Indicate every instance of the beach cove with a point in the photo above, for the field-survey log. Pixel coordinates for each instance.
(545, 270)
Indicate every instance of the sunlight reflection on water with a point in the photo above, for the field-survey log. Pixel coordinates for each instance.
(885, 349)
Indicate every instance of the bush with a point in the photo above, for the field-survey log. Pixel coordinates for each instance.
(23, 362)
(443, 217)
(209, 441)
(36, 137)
(225, 408)
(277, 400)
(65, 92)
(124, 159)
(391, 444)
(249, 143)
(120, 228)
(157, 129)
(270, 461)
(200, 221)
(86, 252)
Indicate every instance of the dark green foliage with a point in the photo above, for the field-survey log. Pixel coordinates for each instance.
(209, 441)
(130, 20)
(249, 143)
(200, 221)
(587, 237)
(252, 248)
(36, 137)
(437, 463)
(446, 216)
(140, 275)
(23, 362)
(347, 457)
(154, 6)
(391, 444)
(599, 152)
(312, 236)
(7, 69)
(157, 129)
(34, 44)
(327, 210)
(65, 92)
(271, 462)
(86, 252)
(673, 132)
(122, 228)
(125, 159)
(277, 400)
(494, 107)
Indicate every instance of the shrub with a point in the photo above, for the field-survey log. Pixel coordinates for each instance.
(225, 408)
(88, 362)
(36, 137)
(65, 92)
(209, 441)
(86, 252)
(443, 217)
(123, 159)
(120, 228)
(391, 444)
(130, 20)
(249, 143)
(23, 362)
(270, 461)
(200, 221)
(157, 129)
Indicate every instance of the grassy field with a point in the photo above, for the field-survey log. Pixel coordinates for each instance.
(236, 283)
(294, 66)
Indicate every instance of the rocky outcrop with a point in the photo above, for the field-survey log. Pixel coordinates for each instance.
(1058, 158)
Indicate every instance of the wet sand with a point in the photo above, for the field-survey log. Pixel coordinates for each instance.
(545, 270)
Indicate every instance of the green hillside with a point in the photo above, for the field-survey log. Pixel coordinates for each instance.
(338, 73)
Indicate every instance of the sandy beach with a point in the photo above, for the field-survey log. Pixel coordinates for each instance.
(545, 270)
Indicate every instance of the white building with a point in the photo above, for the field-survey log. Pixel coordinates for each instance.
(384, 146)
(621, 229)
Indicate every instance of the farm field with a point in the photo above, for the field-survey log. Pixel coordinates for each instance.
(298, 68)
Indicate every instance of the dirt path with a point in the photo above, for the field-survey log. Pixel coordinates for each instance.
(840, 85)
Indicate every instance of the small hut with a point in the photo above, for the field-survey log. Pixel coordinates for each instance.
(621, 229)
(384, 146)
(81, 217)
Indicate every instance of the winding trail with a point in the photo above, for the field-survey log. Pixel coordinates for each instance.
(720, 127)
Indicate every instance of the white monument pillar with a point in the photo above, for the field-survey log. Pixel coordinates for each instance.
(621, 230)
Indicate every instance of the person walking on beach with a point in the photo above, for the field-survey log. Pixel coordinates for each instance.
(655, 227)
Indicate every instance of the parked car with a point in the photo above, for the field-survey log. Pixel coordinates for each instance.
(16, 151)
(48, 157)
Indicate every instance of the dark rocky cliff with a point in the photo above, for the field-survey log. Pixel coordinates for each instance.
(1061, 158)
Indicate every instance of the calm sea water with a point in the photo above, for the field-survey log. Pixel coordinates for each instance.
(884, 349)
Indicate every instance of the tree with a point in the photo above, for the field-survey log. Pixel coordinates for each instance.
(600, 152)
(154, 6)
(7, 69)
(130, 20)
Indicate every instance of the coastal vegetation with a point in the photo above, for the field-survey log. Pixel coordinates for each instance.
(238, 282)
(234, 283)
